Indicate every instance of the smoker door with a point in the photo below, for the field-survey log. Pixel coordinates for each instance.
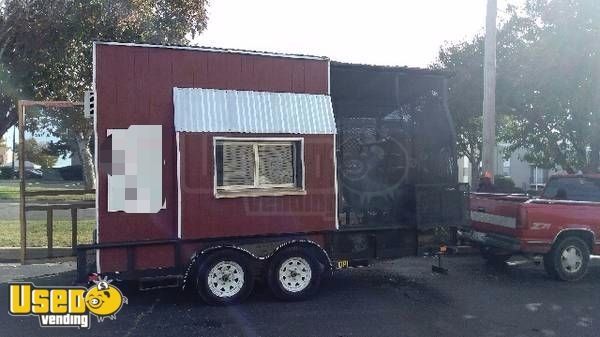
(442, 205)
(376, 166)
(394, 132)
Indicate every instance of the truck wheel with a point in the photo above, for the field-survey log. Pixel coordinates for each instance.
(549, 266)
(294, 274)
(494, 257)
(569, 259)
(225, 278)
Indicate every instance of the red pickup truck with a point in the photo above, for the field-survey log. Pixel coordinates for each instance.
(562, 225)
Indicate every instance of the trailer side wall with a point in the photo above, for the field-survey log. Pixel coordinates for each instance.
(134, 85)
(203, 215)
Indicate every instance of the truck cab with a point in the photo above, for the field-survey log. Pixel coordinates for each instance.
(561, 225)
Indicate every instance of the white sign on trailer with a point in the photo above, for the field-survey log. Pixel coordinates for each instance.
(135, 178)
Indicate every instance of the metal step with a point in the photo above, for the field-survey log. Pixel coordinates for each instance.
(463, 250)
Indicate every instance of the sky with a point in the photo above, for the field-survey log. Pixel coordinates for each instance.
(388, 32)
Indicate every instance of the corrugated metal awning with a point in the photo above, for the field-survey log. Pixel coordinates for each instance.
(211, 110)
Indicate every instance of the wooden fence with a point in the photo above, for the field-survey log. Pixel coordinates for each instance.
(49, 208)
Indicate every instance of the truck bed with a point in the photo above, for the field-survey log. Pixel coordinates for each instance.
(495, 212)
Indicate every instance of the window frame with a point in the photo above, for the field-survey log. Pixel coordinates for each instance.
(256, 190)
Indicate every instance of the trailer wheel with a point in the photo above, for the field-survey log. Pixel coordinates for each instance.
(294, 274)
(569, 259)
(494, 257)
(224, 278)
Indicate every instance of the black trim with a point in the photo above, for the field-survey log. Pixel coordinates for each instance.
(398, 69)
(132, 273)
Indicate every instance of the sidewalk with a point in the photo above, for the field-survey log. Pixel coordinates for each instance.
(34, 254)
(10, 272)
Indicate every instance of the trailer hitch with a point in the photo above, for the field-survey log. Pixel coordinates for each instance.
(439, 269)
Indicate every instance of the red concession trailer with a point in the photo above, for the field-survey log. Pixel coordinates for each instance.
(216, 167)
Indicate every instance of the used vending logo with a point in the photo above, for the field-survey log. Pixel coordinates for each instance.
(66, 306)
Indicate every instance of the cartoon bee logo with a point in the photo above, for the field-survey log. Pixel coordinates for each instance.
(104, 300)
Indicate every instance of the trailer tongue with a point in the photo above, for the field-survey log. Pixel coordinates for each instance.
(283, 167)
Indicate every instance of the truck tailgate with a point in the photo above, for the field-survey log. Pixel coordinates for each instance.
(496, 213)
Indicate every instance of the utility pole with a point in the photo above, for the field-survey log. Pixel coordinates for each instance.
(489, 92)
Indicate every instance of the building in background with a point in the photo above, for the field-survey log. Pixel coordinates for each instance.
(525, 175)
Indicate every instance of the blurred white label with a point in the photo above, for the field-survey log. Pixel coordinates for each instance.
(135, 178)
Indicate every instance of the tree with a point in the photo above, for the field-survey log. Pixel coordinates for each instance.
(465, 61)
(45, 51)
(39, 153)
(73, 134)
(556, 85)
(547, 87)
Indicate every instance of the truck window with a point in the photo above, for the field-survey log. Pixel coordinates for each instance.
(264, 165)
(573, 188)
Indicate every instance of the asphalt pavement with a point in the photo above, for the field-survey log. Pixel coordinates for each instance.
(400, 298)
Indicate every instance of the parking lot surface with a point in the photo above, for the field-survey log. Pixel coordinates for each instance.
(399, 298)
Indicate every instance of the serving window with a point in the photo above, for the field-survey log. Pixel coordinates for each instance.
(257, 167)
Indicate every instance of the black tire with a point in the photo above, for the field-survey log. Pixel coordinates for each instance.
(559, 265)
(549, 266)
(493, 256)
(298, 261)
(216, 281)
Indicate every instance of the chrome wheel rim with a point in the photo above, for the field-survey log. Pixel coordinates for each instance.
(571, 259)
(295, 274)
(226, 279)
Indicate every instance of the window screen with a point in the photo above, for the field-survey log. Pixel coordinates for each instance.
(258, 164)
(276, 164)
(238, 165)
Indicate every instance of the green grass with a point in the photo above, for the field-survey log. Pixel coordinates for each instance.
(36, 233)
(9, 191)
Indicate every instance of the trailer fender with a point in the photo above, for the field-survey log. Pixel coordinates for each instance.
(320, 253)
(196, 259)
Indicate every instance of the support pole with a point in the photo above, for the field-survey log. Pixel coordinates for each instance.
(74, 230)
(50, 230)
(489, 92)
(23, 220)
